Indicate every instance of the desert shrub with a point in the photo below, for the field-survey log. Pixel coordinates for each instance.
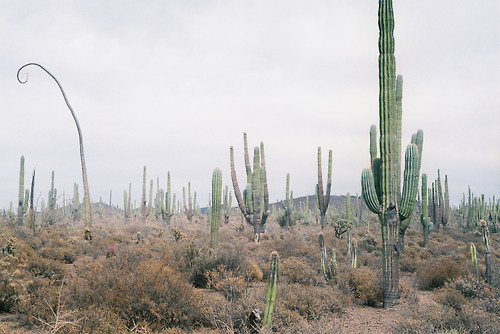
(137, 288)
(205, 261)
(434, 274)
(297, 270)
(409, 261)
(311, 302)
(365, 285)
(368, 243)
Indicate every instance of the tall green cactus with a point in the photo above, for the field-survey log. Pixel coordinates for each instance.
(216, 207)
(254, 203)
(323, 199)
(20, 209)
(271, 291)
(487, 251)
(424, 216)
(80, 137)
(381, 184)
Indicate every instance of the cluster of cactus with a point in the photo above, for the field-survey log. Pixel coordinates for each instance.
(439, 205)
(323, 199)
(216, 207)
(50, 213)
(477, 208)
(328, 268)
(381, 184)
(254, 202)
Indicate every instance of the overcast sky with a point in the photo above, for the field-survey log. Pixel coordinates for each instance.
(171, 85)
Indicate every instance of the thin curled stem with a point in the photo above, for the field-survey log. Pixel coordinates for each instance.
(80, 136)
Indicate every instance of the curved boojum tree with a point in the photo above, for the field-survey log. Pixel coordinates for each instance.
(80, 137)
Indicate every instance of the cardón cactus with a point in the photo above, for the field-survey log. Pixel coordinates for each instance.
(254, 203)
(323, 199)
(381, 185)
(216, 207)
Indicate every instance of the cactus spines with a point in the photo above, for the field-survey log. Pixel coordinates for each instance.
(254, 203)
(271, 291)
(323, 199)
(381, 185)
(487, 251)
(216, 207)
(80, 137)
(20, 208)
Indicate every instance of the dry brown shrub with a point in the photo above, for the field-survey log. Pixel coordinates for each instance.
(433, 274)
(311, 302)
(365, 285)
(297, 270)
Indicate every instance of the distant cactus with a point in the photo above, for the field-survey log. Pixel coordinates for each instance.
(323, 199)
(254, 203)
(487, 251)
(21, 205)
(424, 216)
(271, 291)
(227, 204)
(168, 208)
(31, 215)
(216, 207)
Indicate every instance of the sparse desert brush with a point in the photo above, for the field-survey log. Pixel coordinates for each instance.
(365, 285)
(298, 270)
(434, 273)
(310, 302)
(463, 305)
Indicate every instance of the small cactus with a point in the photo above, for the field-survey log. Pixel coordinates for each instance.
(473, 254)
(271, 291)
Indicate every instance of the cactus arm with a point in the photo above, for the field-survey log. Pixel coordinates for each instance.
(237, 191)
(321, 196)
(329, 179)
(264, 183)
(410, 186)
(368, 191)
